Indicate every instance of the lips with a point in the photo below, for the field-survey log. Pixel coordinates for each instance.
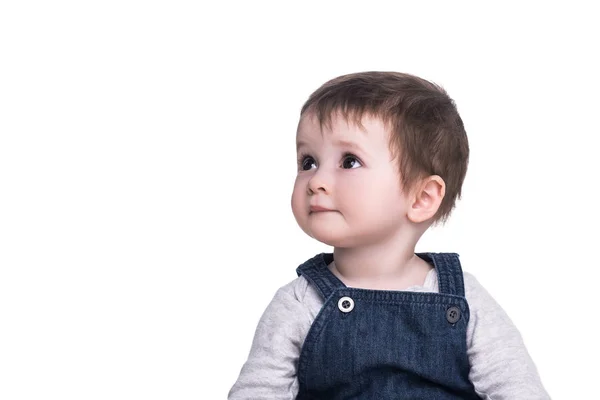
(319, 209)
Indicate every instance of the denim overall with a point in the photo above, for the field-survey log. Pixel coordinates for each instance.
(381, 344)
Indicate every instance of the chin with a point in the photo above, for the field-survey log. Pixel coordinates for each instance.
(326, 236)
(331, 238)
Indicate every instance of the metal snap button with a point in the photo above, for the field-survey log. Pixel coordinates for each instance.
(346, 304)
(453, 314)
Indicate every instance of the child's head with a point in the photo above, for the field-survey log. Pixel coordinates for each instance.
(425, 143)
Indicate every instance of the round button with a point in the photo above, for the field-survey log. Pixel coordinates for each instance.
(453, 314)
(346, 304)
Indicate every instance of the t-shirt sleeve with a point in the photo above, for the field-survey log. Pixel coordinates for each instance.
(501, 367)
(270, 371)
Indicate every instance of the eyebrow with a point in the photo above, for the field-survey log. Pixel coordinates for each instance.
(343, 143)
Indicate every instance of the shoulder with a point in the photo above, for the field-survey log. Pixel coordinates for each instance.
(300, 291)
(472, 285)
(295, 289)
(474, 290)
(486, 315)
(477, 296)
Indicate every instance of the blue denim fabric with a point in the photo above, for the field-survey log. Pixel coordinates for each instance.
(392, 344)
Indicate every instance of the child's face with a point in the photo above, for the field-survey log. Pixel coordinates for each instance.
(350, 172)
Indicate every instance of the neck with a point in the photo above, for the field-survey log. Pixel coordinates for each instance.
(391, 265)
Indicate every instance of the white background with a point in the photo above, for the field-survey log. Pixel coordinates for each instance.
(147, 159)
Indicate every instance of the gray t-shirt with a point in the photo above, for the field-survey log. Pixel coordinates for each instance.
(501, 367)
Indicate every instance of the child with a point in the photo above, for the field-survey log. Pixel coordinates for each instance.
(381, 157)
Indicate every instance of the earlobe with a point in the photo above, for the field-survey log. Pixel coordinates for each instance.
(426, 199)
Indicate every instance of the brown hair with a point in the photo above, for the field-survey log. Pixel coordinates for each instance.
(426, 129)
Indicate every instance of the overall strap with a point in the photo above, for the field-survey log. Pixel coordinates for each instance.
(316, 272)
(449, 271)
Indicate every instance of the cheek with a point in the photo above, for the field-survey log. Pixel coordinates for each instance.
(374, 194)
(298, 198)
(358, 191)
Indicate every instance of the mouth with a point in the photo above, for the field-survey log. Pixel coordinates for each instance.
(317, 209)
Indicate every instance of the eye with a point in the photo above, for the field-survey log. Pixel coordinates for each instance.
(305, 162)
(350, 161)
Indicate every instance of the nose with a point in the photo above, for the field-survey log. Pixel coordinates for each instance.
(317, 183)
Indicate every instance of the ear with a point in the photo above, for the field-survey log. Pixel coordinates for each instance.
(426, 199)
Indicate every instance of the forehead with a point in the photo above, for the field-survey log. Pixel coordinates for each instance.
(368, 132)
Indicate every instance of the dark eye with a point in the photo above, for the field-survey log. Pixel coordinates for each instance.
(350, 162)
(306, 162)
